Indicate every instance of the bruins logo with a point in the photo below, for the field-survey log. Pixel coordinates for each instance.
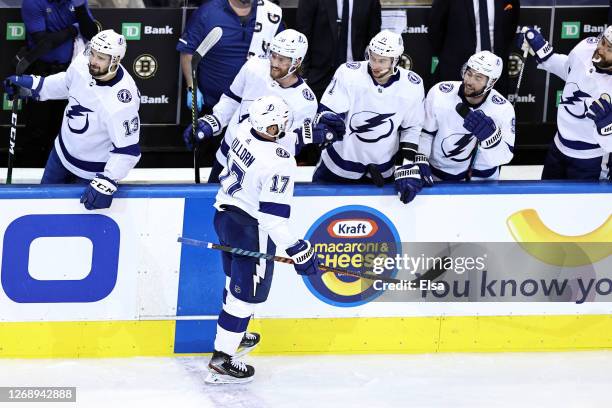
(145, 66)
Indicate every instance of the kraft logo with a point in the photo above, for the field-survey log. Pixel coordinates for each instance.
(97, 283)
(364, 228)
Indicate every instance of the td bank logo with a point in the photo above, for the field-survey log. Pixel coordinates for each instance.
(15, 31)
(7, 104)
(131, 31)
(570, 30)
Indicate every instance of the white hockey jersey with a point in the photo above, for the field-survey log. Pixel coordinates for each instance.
(258, 178)
(577, 135)
(252, 82)
(451, 148)
(378, 118)
(101, 126)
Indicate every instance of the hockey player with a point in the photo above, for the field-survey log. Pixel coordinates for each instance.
(470, 141)
(276, 74)
(383, 109)
(581, 148)
(98, 140)
(253, 207)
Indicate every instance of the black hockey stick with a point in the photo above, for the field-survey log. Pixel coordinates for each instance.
(209, 41)
(429, 275)
(520, 77)
(13, 136)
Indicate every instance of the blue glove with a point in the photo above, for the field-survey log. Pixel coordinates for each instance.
(530, 39)
(208, 126)
(304, 258)
(479, 124)
(99, 193)
(199, 99)
(23, 86)
(423, 163)
(333, 121)
(408, 182)
(600, 112)
(320, 134)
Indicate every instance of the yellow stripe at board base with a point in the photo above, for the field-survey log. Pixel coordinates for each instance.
(382, 335)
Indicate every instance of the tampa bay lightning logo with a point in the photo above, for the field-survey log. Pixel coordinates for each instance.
(78, 116)
(280, 152)
(124, 96)
(307, 94)
(498, 100)
(446, 87)
(353, 65)
(459, 146)
(573, 100)
(370, 127)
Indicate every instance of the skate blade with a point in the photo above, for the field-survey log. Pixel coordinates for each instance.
(244, 351)
(216, 378)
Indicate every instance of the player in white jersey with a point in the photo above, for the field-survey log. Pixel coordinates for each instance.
(275, 74)
(469, 141)
(382, 105)
(253, 208)
(98, 140)
(581, 148)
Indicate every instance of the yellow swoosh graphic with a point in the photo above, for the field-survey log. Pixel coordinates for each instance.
(556, 249)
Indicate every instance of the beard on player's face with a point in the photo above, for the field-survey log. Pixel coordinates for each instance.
(603, 62)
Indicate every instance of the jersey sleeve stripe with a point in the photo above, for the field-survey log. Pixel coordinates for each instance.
(233, 96)
(280, 210)
(131, 150)
(354, 166)
(486, 173)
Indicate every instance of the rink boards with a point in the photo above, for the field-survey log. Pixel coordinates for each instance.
(116, 282)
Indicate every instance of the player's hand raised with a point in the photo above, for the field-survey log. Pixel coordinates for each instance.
(305, 258)
(408, 182)
(208, 126)
(600, 112)
(530, 39)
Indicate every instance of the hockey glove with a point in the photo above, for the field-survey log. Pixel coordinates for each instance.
(408, 182)
(305, 258)
(320, 134)
(423, 163)
(333, 121)
(483, 127)
(530, 39)
(199, 99)
(99, 193)
(600, 112)
(208, 126)
(23, 86)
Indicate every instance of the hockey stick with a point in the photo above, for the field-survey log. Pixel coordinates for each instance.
(429, 275)
(12, 137)
(520, 77)
(209, 41)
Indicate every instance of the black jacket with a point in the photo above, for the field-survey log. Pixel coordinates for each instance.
(452, 33)
(317, 19)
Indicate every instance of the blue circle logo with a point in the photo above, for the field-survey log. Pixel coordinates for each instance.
(350, 238)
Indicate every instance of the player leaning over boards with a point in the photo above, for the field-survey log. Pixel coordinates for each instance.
(274, 74)
(98, 140)
(383, 109)
(472, 141)
(581, 148)
(253, 207)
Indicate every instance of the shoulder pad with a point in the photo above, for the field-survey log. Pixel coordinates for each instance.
(414, 77)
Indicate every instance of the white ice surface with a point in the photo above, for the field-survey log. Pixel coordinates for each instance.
(556, 380)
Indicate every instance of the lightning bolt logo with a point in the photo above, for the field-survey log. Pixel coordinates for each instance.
(458, 147)
(365, 122)
(260, 273)
(575, 99)
(76, 111)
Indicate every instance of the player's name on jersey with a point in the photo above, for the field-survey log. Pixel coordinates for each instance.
(529, 98)
(243, 154)
(158, 30)
(163, 99)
